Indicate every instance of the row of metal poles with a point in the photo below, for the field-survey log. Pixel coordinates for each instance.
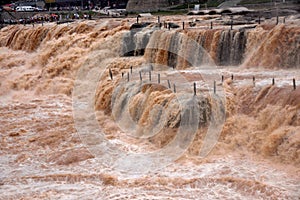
(168, 25)
(195, 86)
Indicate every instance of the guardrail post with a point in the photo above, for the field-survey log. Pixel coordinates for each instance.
(110, 74)
(141, 78)
(169, 84)
(215, 87)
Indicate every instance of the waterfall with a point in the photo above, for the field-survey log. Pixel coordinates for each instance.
(179, 46)
(231, 48)
(200, 47)
(144, 109)
(136, 40)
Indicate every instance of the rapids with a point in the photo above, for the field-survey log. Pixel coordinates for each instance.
(69, 130)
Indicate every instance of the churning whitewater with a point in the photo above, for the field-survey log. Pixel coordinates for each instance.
(107, 110)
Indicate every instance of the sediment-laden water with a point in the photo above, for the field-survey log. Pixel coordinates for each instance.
(100, 110)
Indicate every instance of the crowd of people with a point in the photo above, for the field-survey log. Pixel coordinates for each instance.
(41, 18)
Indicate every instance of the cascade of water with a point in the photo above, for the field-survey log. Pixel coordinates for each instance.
(231, 48)
(144, 109)
(177, 44)
(136, 40)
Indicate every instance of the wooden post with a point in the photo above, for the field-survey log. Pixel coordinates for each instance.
(169, 84)
(277, 20)
(110, 74)
(174, 88)
(211, 25)
(158, 19)
(195, 89)
(294, 83)
(259, 19)
(169, 26)
(158, 78)
(215, 87)
(273, 81)
(231, 25)
(149, 75)
(254, 81)
(222, 78)
(231, 76)
(137, 19)
(122, 74)
(128, 76)
(130, 69)
(182, 25)
(284, 20)
(141, 78)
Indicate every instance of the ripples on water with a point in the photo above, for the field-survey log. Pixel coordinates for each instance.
(42, 155)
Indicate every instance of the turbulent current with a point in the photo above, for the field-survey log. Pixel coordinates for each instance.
(109, 109)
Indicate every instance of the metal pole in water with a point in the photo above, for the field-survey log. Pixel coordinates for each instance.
(294, 83)
(273, 81)
(122, 74)
(110, 74)
(231, 76)
(182, 25)
(169, 84)
(211, 25)
(259, 19)
(158, 19)
(215, 87)
(130, 69)
(231, 25)
(158, 78)
(222, 78)
(137, 19)
(128, 76)
(253, 80)
(174, 88)
(149, 75)
(141, 78)
(195, 89)
(277, 20)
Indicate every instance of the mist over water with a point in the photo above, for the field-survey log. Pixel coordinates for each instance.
(67, 130)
